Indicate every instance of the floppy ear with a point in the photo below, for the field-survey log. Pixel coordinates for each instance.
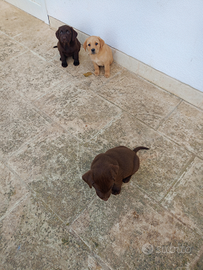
(87, 177)
(74, 34)
(114, 171)
(57, 33)
(101, 42)
(85, 44)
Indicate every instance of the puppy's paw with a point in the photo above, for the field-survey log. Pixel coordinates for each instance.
(64, 64)
(76, 63)
(107, 75)
(96, 73)
(127, 179)
(116, 190)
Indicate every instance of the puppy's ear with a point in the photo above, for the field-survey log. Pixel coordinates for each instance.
(74, 34)
(87, 177)
(85, 44)
(101, 42)
(57, 34)
(114, 170)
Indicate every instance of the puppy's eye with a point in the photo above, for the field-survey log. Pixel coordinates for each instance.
(96, 43)
(61, 32)
(67, 31)
(89, 45)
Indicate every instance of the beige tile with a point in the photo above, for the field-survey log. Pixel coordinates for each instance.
(67, 195)
(9, 48)
(19, 122)
(33, 76)
(185, 126)
(14, 21)
(80, 112)
(41, 40)
(142, 99)
(160, 166)
(49, 165)
(12, 190)
(33, 237)
(4, 5)
(49, 156)
(185, 200)
(131, 232)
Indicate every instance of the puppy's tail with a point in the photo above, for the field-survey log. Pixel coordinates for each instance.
(55, 46)
(139, 148)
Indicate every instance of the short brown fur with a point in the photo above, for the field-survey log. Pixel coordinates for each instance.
(110, 169)
(68, 44)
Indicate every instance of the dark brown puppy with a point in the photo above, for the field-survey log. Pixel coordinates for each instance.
(110, 169)
(68, 45)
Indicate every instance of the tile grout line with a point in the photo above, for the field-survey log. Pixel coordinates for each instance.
(104, 128)
(88, 206)
(165, 209)
(170, 93)
(164, 119)
(26, 47)
(195, 261)
(180, 176)
(29, 140)
(14, 206)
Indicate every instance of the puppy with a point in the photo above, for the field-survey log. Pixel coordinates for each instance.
(100, 54)
(68, 45)
(110, 169)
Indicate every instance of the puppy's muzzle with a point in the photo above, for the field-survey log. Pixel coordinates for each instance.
(93, 51)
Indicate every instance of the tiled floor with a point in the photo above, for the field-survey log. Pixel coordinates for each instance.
(53, 121)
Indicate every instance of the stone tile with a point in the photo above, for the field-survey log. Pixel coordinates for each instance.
(185, 199)
(160, 166)
(9, 48)
(49, 165)
(14, 21)
(11, 190)
(198, 262)
(67, 195)
(80, 112)
(4, 5)
(144, 100)
(48, 157)
(19, 122)
(185, 126)
(41, 40)
(33, 76)
(133, 232)
(34, 238)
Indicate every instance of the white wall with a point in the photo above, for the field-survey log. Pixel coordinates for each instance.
(166, 35)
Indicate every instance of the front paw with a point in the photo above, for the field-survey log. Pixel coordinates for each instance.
(116, 190)
(76, 62)
(64, 64)
(96, 72)
(107, 75)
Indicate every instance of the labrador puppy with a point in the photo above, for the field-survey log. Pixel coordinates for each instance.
(100, 54)
(110, 169)
(68, 45)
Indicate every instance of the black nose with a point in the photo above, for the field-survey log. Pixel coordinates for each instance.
(93, 50)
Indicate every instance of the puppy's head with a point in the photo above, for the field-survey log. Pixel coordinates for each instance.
(102, 180)
(66, 34)
(93, 44)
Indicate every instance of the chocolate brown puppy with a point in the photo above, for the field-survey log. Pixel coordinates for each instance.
(110, 169)
(68, 45)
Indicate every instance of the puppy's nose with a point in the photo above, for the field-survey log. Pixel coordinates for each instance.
(93, 50)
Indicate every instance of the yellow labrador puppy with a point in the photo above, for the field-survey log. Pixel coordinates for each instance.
(100, 54)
